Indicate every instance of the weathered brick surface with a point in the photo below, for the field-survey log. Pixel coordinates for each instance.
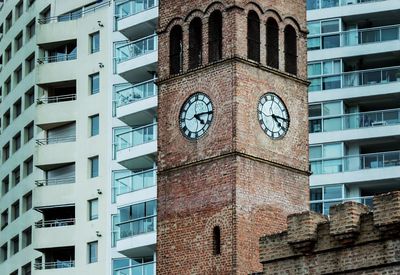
(367, 250)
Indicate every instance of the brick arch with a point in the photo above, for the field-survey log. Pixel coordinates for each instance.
(289, 20)
(193, 14)
(175, 21)
(255, 6)
(223, 223)
(270, 13)
(213, 7)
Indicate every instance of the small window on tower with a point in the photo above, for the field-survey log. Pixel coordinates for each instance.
(217, 240)
(215, 36)
(195, 43)
(290, 50)
(272, 43)
(176, 50)
(253, 36)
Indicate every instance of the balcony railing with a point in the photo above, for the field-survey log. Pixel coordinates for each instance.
(55, 140)
(136, 48)
(47, 182)
(322, 206)
(74, 15)
(322, 4)
(137, 227)
(56, 99)
(355, 121)
(355, 79)
(135, 93)
(355, 163)
(54, 223)
(138, 181)
(54, 265)
(140, 269)
(57, 58)
(130, 7)
(136, 137)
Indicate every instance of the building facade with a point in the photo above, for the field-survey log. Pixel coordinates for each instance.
(354, 100)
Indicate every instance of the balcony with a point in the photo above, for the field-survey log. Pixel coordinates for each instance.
(322, 206)
(57, 58)
(55, 140)
(137, 148)
(136, 182)
(136, 18)
(144, 53)
(56, 181)
(137, 105)
(57, 258)
(139, 269)
(323, 4)
(54, 223)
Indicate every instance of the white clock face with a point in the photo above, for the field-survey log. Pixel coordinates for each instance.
(273, 116)
(196, 116)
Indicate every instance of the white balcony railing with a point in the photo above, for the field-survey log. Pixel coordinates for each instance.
(58, 181)
(355, 163)
(55, 140)
(57, 58)
(54, 265)
(136, 182)
(54, 223)
(136, 93)
(136, 137)
(139, 269)
(322, 4)
(56, 99)
(354, 79)
(136, 48)
(355, 121)
(127, 8)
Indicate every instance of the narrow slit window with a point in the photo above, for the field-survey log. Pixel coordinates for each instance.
(272, 43)
(253, 36)
(215, 36)
(195, 43)
(176, 50)
(290, 50)
(217, 240)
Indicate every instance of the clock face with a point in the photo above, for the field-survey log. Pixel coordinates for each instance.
(196, 116)
(273, 116)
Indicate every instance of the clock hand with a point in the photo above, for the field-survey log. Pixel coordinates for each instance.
(197, 116)
(277, 122)
(285, 119)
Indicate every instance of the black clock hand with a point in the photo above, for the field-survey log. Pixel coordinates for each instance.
(197, 116)
(275, 116)
(277, 122)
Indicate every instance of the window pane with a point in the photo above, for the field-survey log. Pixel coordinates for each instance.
(332, 166)
(332, 150)
(330, 26)
(315, 85)
(313, 28)
(315, 126)
(314, 110)
(331, 82)
(333, 192)
(95, 42)
(94, 83)
(332, 124)
(94, 169)
(315, 152)
(331, 109)
(316, 194)
(314, 69)
(94, 125)
(314, 43)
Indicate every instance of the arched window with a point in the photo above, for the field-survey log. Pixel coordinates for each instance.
(290, 50)
(272, 43)
(217, 240)
(215, 36)
(176, 50)
(253, 36)
(195, 43)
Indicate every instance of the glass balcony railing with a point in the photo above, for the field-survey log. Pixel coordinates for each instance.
(140, 269)
(135, 93)
(322, 206)
(136, 182)
(136, 137)
(54, 265)
(322, 4)
(355, 79)
(137, 227)
(127, 8)
(136, 48)
(355, 121)
(54, 223)
(57, 58)
(355, 163)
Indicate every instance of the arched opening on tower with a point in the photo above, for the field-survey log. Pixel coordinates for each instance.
(195, 43)
(216, 240)
(290, 50)
(176, 50)
(253, 36)
(215, 36)
(272, 43)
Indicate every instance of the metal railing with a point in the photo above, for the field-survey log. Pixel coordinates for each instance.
(135, 93)
(55, 140)
(355, 79)
(136, 137)
(136, 48)
(322, 4)
(135, 182)
(56, 99)
(323, 206)
(54, 223)
(46, 182)
(136, 227)
(130, 7)
(355, 162)
(54, 265)
(57, 58)
(74, 15)
(139, 269)
(355, 121)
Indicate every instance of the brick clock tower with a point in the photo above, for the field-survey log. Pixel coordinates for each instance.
(233, 130)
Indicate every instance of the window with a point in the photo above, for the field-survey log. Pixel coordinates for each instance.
(92, 251)
(28, 132)
(93, 209)
(19, 9)
(5, 185)
(326, 75)
(30, 2)
(94, 83)
(6, 152)
(18, 75)
(26, 269)
(16, 142)
(7, 86)
(217, 240)
(94, 125)
(134, 216)
(290, 50)
(8, 22)
(15, 272)
(326, 34)
(322, 198)
(4, 219)
(215, 36)
(28, 166)
(195, 43)
(30, 63)
(94, 167)
(15, 210)
(176, 50)
(17, 108)
(27, 237)
(3, 252)
(253, 36)
(30, 29)
(18, 42)
(7, 54)
(326, 158)
(14, 245)
(272, 43)
(16, 177)
(29, 97)
(95, 42)
(27, 202)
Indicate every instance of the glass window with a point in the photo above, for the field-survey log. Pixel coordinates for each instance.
(315, 152)
(331, 67)
(92, 249)
(316, 194)
(314, 69)
(332, 124)
(27, 237)
(93, 209)
(333, 192)
(330, 26)
(94, 167)
(94, 125)
(94, 83)
(332, 150)
(15, 210)
(333, 108)
(314, 28)
(331, 41)
(95, 42)
(314, 110)
(331, 82)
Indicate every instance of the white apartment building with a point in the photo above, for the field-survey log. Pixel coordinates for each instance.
(354, 99)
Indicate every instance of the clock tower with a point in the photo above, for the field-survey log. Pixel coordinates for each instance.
(233, 130)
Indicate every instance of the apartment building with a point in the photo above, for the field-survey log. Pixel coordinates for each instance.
(354, 99)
